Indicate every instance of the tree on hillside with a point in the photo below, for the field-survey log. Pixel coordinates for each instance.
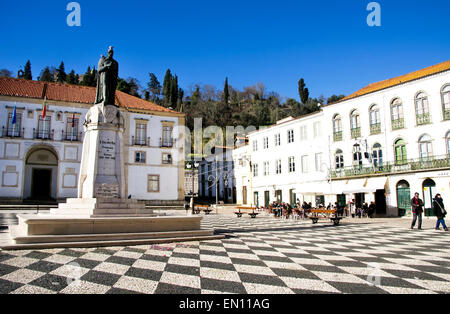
(154, 88)
(27, 71)
(73, 78)
(335, 98)
(46, 75)
(62, 76)
(303, 91)
(167, 88)
(226, 93)
(89, 78)
(5, 73)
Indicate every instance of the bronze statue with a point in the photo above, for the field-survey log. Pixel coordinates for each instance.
(108, 71)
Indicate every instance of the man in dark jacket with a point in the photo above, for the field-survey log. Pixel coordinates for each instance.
(440, 212)
(417, 210)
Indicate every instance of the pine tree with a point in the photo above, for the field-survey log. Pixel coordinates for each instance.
(303, 91)
(46, 75)
(226, 93)
(174, 92)
(62, 76)
(72, 78)
(154, 88)
(27, 71)
(167, 88)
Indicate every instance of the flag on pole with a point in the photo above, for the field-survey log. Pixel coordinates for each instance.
(73, 120)
(14, 116)
(44, 109)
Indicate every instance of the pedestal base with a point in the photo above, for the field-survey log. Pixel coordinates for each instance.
(103, 222)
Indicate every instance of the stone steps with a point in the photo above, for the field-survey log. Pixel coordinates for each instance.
(110, 243)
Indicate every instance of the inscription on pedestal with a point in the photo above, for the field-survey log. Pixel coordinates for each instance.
(107, 157)
(107, 190)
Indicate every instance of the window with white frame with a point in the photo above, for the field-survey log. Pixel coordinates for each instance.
(278, 166)
(357, 156)
(303, 133)
(291, 164)
(305, 164)
(375, 120)
(377, 155)
(167, 159)
(255, 170)
(266, 168)
(319, 161)
(339, 159)
(422, 109)
(425, 146)
(397, 116)
(141, 133)
(277, 139)
(153, 184)
(255, 145)
(447, 139)
(140, 157)
(266, 143)
(14, 130)
(446, 101)
(317, 129)
(291, 136)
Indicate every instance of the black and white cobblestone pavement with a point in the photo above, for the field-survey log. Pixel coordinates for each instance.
(259, 256)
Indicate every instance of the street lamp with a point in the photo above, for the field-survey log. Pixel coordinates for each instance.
(192, 165)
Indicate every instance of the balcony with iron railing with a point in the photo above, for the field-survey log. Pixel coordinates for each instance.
(446, 114)
(12, 132)
(375, 129)
(423, 119)
(398, 124)
(72, 137)
(166, 143)
(140, 141)
(401, 166)
(44, 135)
(338, 136)
(356, 133)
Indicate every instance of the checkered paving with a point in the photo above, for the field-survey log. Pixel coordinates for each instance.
(259, 256)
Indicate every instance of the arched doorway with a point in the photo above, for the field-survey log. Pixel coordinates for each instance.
(429, 192)
(41, 173)
(403, 198)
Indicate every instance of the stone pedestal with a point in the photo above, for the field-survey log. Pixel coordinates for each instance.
(102, 172)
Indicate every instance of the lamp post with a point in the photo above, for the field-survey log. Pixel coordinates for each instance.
(192, 165)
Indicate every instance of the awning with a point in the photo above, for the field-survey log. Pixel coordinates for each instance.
(369, 185)
(320, 188)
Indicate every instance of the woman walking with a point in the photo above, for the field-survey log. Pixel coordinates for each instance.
(440, 212)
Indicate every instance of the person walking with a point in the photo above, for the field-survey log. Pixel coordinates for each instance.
(440, 212)
(417, 210)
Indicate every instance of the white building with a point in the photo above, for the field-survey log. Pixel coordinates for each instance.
(40, 160)
(382, 143)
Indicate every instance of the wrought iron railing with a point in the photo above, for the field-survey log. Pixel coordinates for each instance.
(436, 162)
(375, 129)
(166, 143)
(338, 136)
(139, 141)
(446, 114)
(423, 119)
(12, 132)
(356, 133)
(72, 137)
(398, 124)
(43, 135)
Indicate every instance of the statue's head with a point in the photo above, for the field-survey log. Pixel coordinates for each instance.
(111, 51)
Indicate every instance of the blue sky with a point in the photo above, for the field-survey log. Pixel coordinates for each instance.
(328, 43)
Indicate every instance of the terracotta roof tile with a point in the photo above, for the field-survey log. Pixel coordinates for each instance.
(70, 93)
(374, 87)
